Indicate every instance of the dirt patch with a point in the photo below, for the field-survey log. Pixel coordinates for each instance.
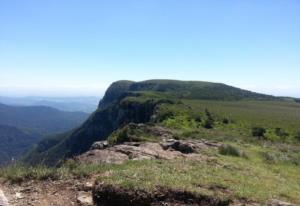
(42, 193)
(108, 195)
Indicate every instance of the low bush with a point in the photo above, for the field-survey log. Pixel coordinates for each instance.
(258, 132)
(297, 136)
(270, 157)
(281, 133)
(225, 121)
(231, 151)
(208, 124)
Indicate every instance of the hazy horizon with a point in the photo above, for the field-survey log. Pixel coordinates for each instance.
(100, 93)
(71, 48)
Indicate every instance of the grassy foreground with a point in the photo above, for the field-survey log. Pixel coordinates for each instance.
(259, 174)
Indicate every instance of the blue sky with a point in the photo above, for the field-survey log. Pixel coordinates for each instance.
(76, 47)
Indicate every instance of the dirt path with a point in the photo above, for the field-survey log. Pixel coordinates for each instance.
(3, 199)
(37, 193)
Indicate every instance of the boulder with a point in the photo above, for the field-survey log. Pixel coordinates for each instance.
(85, 198)
(275, 202)
(99, 145)
(102, 156)
(3, 199)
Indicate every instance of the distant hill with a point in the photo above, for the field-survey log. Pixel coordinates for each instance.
(127, 101)
(184, 90)
(40, 120)
(71, 104)
(21, 127)
(14, 142)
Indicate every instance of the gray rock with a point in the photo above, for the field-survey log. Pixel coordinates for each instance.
(275, 202)
(99, 145)
(3, 199)
(85, 198)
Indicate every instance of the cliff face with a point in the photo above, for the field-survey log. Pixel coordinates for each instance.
(126, 102)
(107, 118)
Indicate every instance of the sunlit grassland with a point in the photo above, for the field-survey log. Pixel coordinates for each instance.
(253, 176)
(254, 113)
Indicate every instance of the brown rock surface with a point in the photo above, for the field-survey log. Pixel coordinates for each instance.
(170, 149)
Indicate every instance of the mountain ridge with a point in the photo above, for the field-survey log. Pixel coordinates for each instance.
(127, 101)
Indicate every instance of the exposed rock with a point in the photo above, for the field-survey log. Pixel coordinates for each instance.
(87, 186)
(102, 156)
(3, 199)
(275, 202)
(99, 145)
(169, 149)
(85, 198)
(189, 146)
(19, 195)
(146, 151)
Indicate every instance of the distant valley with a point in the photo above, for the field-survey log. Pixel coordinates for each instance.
(23, 126)
(71, 104)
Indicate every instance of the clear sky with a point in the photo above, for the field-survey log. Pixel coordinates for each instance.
(78, 47)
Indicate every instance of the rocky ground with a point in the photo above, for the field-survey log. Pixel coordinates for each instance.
(47, 193)
(85, 193)
(168, 149)
(88, 191)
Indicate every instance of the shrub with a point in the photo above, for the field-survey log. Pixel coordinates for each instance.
(281, 133)
(297, 136)
(225, 121)
(231, 151)
(208, 124)
(270, 157)
(258, 132)
(198, 118)
(163, 115)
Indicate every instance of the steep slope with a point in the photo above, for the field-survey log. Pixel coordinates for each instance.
(39, 119)
(126, 102)
(14, 142)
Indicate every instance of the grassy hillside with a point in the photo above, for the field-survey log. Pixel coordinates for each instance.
(180, 105)
(14, 143)
(260, 136)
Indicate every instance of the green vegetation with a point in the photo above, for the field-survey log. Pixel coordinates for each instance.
(259, 159)
(131, 133)
(14, 142)
(258, 132)
(190, 107)
(254, 178)
(231, 151)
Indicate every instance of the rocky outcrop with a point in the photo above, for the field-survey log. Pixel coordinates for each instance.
(98, 127)
(275, 202)
(169, 149)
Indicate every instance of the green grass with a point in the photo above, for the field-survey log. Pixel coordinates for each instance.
(269, 114)
(254, 178)
(249, 178)
(131, 133)
(281, 120)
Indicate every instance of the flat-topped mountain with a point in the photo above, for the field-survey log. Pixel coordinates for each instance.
(184, 90)
(141, 102)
